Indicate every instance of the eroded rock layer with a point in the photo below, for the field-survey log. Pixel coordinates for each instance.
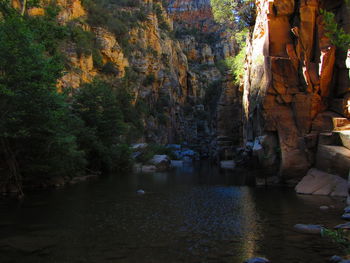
(296, 80)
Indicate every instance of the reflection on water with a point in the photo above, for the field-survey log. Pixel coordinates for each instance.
(192, 214)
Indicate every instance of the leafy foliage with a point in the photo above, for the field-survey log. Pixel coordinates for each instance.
(337, 34)
(236, 63)
(97, 105)
(84, 40)
(47, 31)
(35, 120)
(239, 13)
(338, 236)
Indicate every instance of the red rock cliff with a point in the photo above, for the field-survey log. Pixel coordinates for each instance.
(296, 81)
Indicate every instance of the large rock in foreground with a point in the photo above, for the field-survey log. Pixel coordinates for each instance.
(317, 182)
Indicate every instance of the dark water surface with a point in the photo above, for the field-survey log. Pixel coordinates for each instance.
(187, 215)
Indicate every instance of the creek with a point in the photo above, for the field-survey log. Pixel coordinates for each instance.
(190, 214)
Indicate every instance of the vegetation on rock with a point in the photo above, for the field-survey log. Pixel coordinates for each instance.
(239, 13)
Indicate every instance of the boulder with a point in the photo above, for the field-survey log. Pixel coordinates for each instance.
(347, 209)
(140, 192)
(343, 226)
(185, 154)
(346, 216)
(161, 162)
(317, 182)
(334, 159)
(345, 138)
(308, 229)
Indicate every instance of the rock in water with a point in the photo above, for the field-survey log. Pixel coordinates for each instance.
(324, 207)
(347, 209)
(140, 192)
(308, 229)
(257, 260)
(162, 162)
(346, 216)
(343, 226)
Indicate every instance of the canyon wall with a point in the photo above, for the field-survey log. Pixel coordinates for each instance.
(296, 81)
(171, 60)
(207, 45)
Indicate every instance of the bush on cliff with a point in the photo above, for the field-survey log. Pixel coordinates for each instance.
(239, 14)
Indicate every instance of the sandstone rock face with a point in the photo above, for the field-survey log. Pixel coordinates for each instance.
(217, 134)
(153, 54)
(111, 50)
(290, 84)
(335, 159)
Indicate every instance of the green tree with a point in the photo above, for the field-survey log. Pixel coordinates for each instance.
(34, 121)
(239, 13)
(101, 135)
(336, 33)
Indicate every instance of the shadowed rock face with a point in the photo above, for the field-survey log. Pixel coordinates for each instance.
(205, 49)
(296, 79)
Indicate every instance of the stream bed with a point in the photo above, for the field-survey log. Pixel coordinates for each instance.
(190, 214)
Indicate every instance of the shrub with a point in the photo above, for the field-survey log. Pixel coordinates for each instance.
(99, 108)
(84, 40)
(97, 58)
(337, 34)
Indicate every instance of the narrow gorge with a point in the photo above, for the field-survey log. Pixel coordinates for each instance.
(174, 131)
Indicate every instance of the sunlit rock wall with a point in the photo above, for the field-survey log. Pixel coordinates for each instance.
(295, 82)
